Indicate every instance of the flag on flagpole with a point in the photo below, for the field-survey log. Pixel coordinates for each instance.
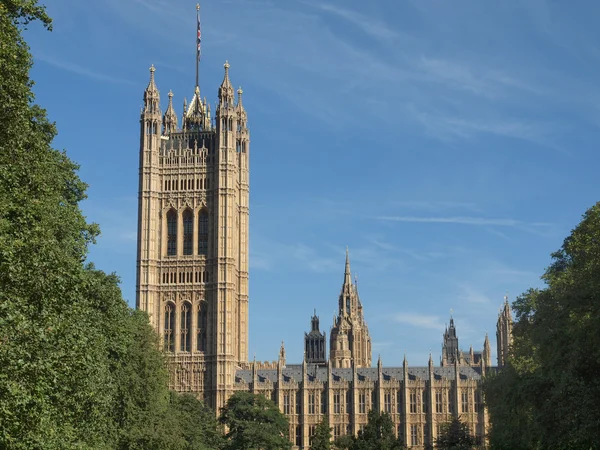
(199, 34)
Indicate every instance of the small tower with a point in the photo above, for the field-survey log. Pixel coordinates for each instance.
(450, 344)
(315, 343)
(170, 118)
(350, 342)
(148, 248)
(281, 358)
(504, 332)
(487, 352)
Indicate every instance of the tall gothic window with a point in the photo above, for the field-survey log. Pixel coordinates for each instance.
(202, 324)
(171, 233)
(186, 325)
(170, 327)
(188, 232)
(203, 233)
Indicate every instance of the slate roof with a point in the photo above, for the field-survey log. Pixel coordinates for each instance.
(293, 373)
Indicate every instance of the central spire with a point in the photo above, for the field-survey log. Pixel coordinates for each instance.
(347, 273)
(198, 44)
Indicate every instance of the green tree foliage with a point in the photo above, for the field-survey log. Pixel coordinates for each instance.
(322, 437)
(254, 422)
(455, 435)
(378, 433)
(199, 426)
(548, 395)
(78, 368)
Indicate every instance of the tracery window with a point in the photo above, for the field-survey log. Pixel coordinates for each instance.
(438, 401)
(465, 400)
(311, 403)
(399, 402)
(336, 402)
(202, 324)
(169, 335)
(186, 325)
(188, 232)
(203, 233)
(171, 233)
(387, 402)
(414, 435)
(413, 402)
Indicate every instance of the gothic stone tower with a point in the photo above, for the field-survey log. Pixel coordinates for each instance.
(315, 343)
(504, 333)
(450, 346)
(192, 263)
(350, 343)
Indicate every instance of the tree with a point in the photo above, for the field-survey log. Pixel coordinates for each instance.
(254, 422)
(378, 433)
(78, 368)
(455, 435)
(548, 395)
(198, 424)
(321, 440)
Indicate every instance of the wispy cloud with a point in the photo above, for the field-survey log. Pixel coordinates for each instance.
(367, 24)
(456, 220)
(419, 320)
(470, 294)
(80, 70)
(447, 127)
(436, 205)
(482, 82)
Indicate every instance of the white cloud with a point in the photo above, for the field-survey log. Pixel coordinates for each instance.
(419, 320)
(456, 220)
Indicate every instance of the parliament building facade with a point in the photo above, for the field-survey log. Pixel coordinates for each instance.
(192, 280)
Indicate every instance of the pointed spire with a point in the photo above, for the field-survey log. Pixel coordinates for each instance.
(170, 119)
(226, 89)
(430, 360)
(239, 102)
(405, 362)
(347, 273)
(151, 83)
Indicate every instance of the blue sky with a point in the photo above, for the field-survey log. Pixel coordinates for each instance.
(450, 145)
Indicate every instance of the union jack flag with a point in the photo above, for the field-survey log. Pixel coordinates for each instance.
(199, 36)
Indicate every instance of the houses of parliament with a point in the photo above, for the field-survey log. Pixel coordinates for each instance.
(192, 280)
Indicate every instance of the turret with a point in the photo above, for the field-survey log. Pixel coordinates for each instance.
(450, 344)
(151, 96)
(170, 118)
(487, 352)
(226, 90)
(282, 355)
(504, 332)
(315, 343)
(350, 340)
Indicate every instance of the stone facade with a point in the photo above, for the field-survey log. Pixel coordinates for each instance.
(192, 279)
(192, 266)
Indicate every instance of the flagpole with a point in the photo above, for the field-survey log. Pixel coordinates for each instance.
(198, 37)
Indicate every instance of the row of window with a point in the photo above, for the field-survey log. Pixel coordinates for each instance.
(185, 327)
(186, 184)
(188, 232)
(173, 277)
(343, 402)
(418, 433)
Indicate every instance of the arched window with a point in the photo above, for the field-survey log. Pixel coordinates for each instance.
(188, 232)
(203, 233)
(171, 233)
(169, 327)
(186, 324)
(202, 324)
